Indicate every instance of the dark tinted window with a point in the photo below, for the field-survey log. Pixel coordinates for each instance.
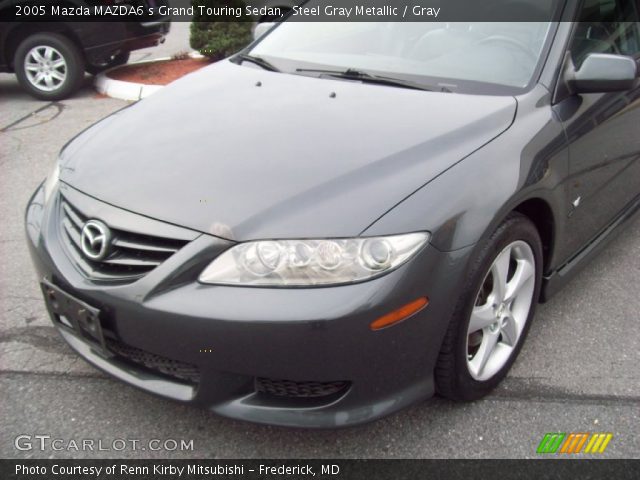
(607, 26)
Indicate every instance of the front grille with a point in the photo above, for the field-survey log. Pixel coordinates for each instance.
(291, 389)
(181, 371)
(131, 256)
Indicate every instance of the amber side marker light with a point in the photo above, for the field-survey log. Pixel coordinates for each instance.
(399, 315)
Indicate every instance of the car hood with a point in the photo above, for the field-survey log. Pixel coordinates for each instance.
(243, 153)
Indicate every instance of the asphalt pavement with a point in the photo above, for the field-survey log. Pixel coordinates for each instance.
(578, 371)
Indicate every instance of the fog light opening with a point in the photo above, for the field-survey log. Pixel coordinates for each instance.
(399, 315)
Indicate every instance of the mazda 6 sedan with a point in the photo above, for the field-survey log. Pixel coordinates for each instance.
(344, 218)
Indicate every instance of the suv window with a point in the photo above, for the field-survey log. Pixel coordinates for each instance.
(606, 26)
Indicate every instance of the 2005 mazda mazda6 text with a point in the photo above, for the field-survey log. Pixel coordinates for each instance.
(344, 219)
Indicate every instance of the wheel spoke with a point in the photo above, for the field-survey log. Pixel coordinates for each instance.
(48, 53)
(510, 332)
(480, 359)
(481, 317)
(59, 63)
(38, 78)
(32, 67)
(500, 272)
(524, 272)
(48, 81)
(37, 56)
(57, 75)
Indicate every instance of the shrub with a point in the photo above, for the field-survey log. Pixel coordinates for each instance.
(215, 36)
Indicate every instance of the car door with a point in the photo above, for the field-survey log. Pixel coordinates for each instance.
(604, 129)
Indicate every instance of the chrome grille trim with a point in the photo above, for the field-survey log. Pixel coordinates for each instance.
(77, 221)
(132, 256)
(141, 246)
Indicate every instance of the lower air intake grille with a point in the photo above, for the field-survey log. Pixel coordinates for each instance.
(171, 368)
(130, 255)
(291, 389)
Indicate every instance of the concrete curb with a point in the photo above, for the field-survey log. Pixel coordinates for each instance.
(129, 91)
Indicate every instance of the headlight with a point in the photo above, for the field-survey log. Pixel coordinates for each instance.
(51, 181)
(312, 262)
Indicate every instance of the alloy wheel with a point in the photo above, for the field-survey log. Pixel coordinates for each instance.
(501, 310)
(45, 68)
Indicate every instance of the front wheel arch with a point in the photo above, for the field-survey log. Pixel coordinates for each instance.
(539, 212)
(453, 379)
(20, 31)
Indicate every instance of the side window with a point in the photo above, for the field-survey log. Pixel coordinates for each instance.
(607, 26)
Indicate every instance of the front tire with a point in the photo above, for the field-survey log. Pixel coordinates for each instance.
(49, 66)
(493, 315)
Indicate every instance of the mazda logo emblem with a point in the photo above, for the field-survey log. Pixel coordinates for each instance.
(95, 240)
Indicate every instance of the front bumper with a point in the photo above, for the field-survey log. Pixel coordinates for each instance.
(235, 336)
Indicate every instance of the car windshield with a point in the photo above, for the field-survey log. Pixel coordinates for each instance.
(480, 57)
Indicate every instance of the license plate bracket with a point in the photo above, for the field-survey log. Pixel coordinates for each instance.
(75, 316)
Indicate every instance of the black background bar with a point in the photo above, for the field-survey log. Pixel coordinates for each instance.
(333, 469)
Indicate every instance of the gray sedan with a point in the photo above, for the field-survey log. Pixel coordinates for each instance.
(344, 219)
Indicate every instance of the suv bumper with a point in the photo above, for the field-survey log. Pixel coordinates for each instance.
(102, 41)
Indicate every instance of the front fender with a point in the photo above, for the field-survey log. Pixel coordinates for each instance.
(466, 203)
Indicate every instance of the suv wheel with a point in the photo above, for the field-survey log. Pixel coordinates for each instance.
(494, 312)
(49, 66)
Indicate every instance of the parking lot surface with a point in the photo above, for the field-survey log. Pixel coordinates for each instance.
(578, 371)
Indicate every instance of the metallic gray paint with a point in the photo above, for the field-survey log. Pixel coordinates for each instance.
(363, 151)
(212, 157)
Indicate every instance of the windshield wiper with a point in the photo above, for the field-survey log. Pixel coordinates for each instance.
(365, 77)
(261, 62)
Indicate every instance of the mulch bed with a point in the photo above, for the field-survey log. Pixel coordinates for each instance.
(158, 73)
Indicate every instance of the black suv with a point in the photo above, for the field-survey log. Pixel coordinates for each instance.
(50, 58)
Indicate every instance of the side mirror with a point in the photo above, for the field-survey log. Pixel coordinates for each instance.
(261, 29)
(602, 73)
